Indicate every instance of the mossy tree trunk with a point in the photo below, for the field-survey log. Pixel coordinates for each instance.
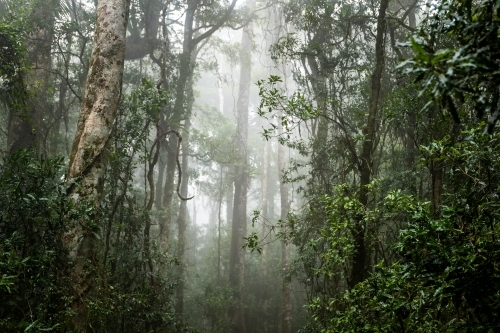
(88, 156)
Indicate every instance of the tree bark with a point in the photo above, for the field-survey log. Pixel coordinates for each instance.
(359, 267)
(88, 155)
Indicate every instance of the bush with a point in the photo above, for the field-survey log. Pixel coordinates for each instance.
(33, 287)
(447, 278)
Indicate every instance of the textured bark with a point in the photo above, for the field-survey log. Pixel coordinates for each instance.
(239, 223)
(25, 128)
(359, 267)
(88, 155)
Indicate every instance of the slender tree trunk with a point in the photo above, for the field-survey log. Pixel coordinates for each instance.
(272, 37)
(437, 175)
(239, 223)
(88, 155)
(178, 115)
(165, 52)
(25, 128)
(286, 302)
(219, 230)
(229, 200)
(182, 218)
(264, 234)
(359, 264)
(320, 132)
(179, 111)
(221, 93)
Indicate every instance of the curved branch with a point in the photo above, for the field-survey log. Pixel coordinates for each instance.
(214, 28)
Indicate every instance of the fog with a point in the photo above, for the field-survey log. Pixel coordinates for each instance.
(224, 166)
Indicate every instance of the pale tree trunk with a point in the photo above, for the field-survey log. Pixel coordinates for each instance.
(221, 94)
(219, 230)
(25, 127)
(271, 38)
(264, 234)
(239, 221)
(229, 199)
(359, 264)
(88, 155)
(286, 301)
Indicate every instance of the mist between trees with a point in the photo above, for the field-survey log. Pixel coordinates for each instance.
(249, 166)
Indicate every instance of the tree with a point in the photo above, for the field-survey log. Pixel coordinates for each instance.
(239, 220)
(359, 269)
(190, 42)
(26, 128)
(88, 155)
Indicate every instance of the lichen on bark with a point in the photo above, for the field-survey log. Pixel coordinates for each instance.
(88, 155)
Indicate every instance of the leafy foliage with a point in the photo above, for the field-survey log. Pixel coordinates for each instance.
(456, 57)
(33, 284)
(12, 88)
(447, 279)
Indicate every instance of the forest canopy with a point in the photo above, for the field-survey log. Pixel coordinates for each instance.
(249, 166)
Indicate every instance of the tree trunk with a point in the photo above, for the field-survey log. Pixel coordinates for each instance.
(219, 230)
(359, 267)
(239, 223)
(264, 234)
(286, 302)
(182, 218)
(229, 200)
(25, 128)
(179, 112)
(88, 155)
(178, 115)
